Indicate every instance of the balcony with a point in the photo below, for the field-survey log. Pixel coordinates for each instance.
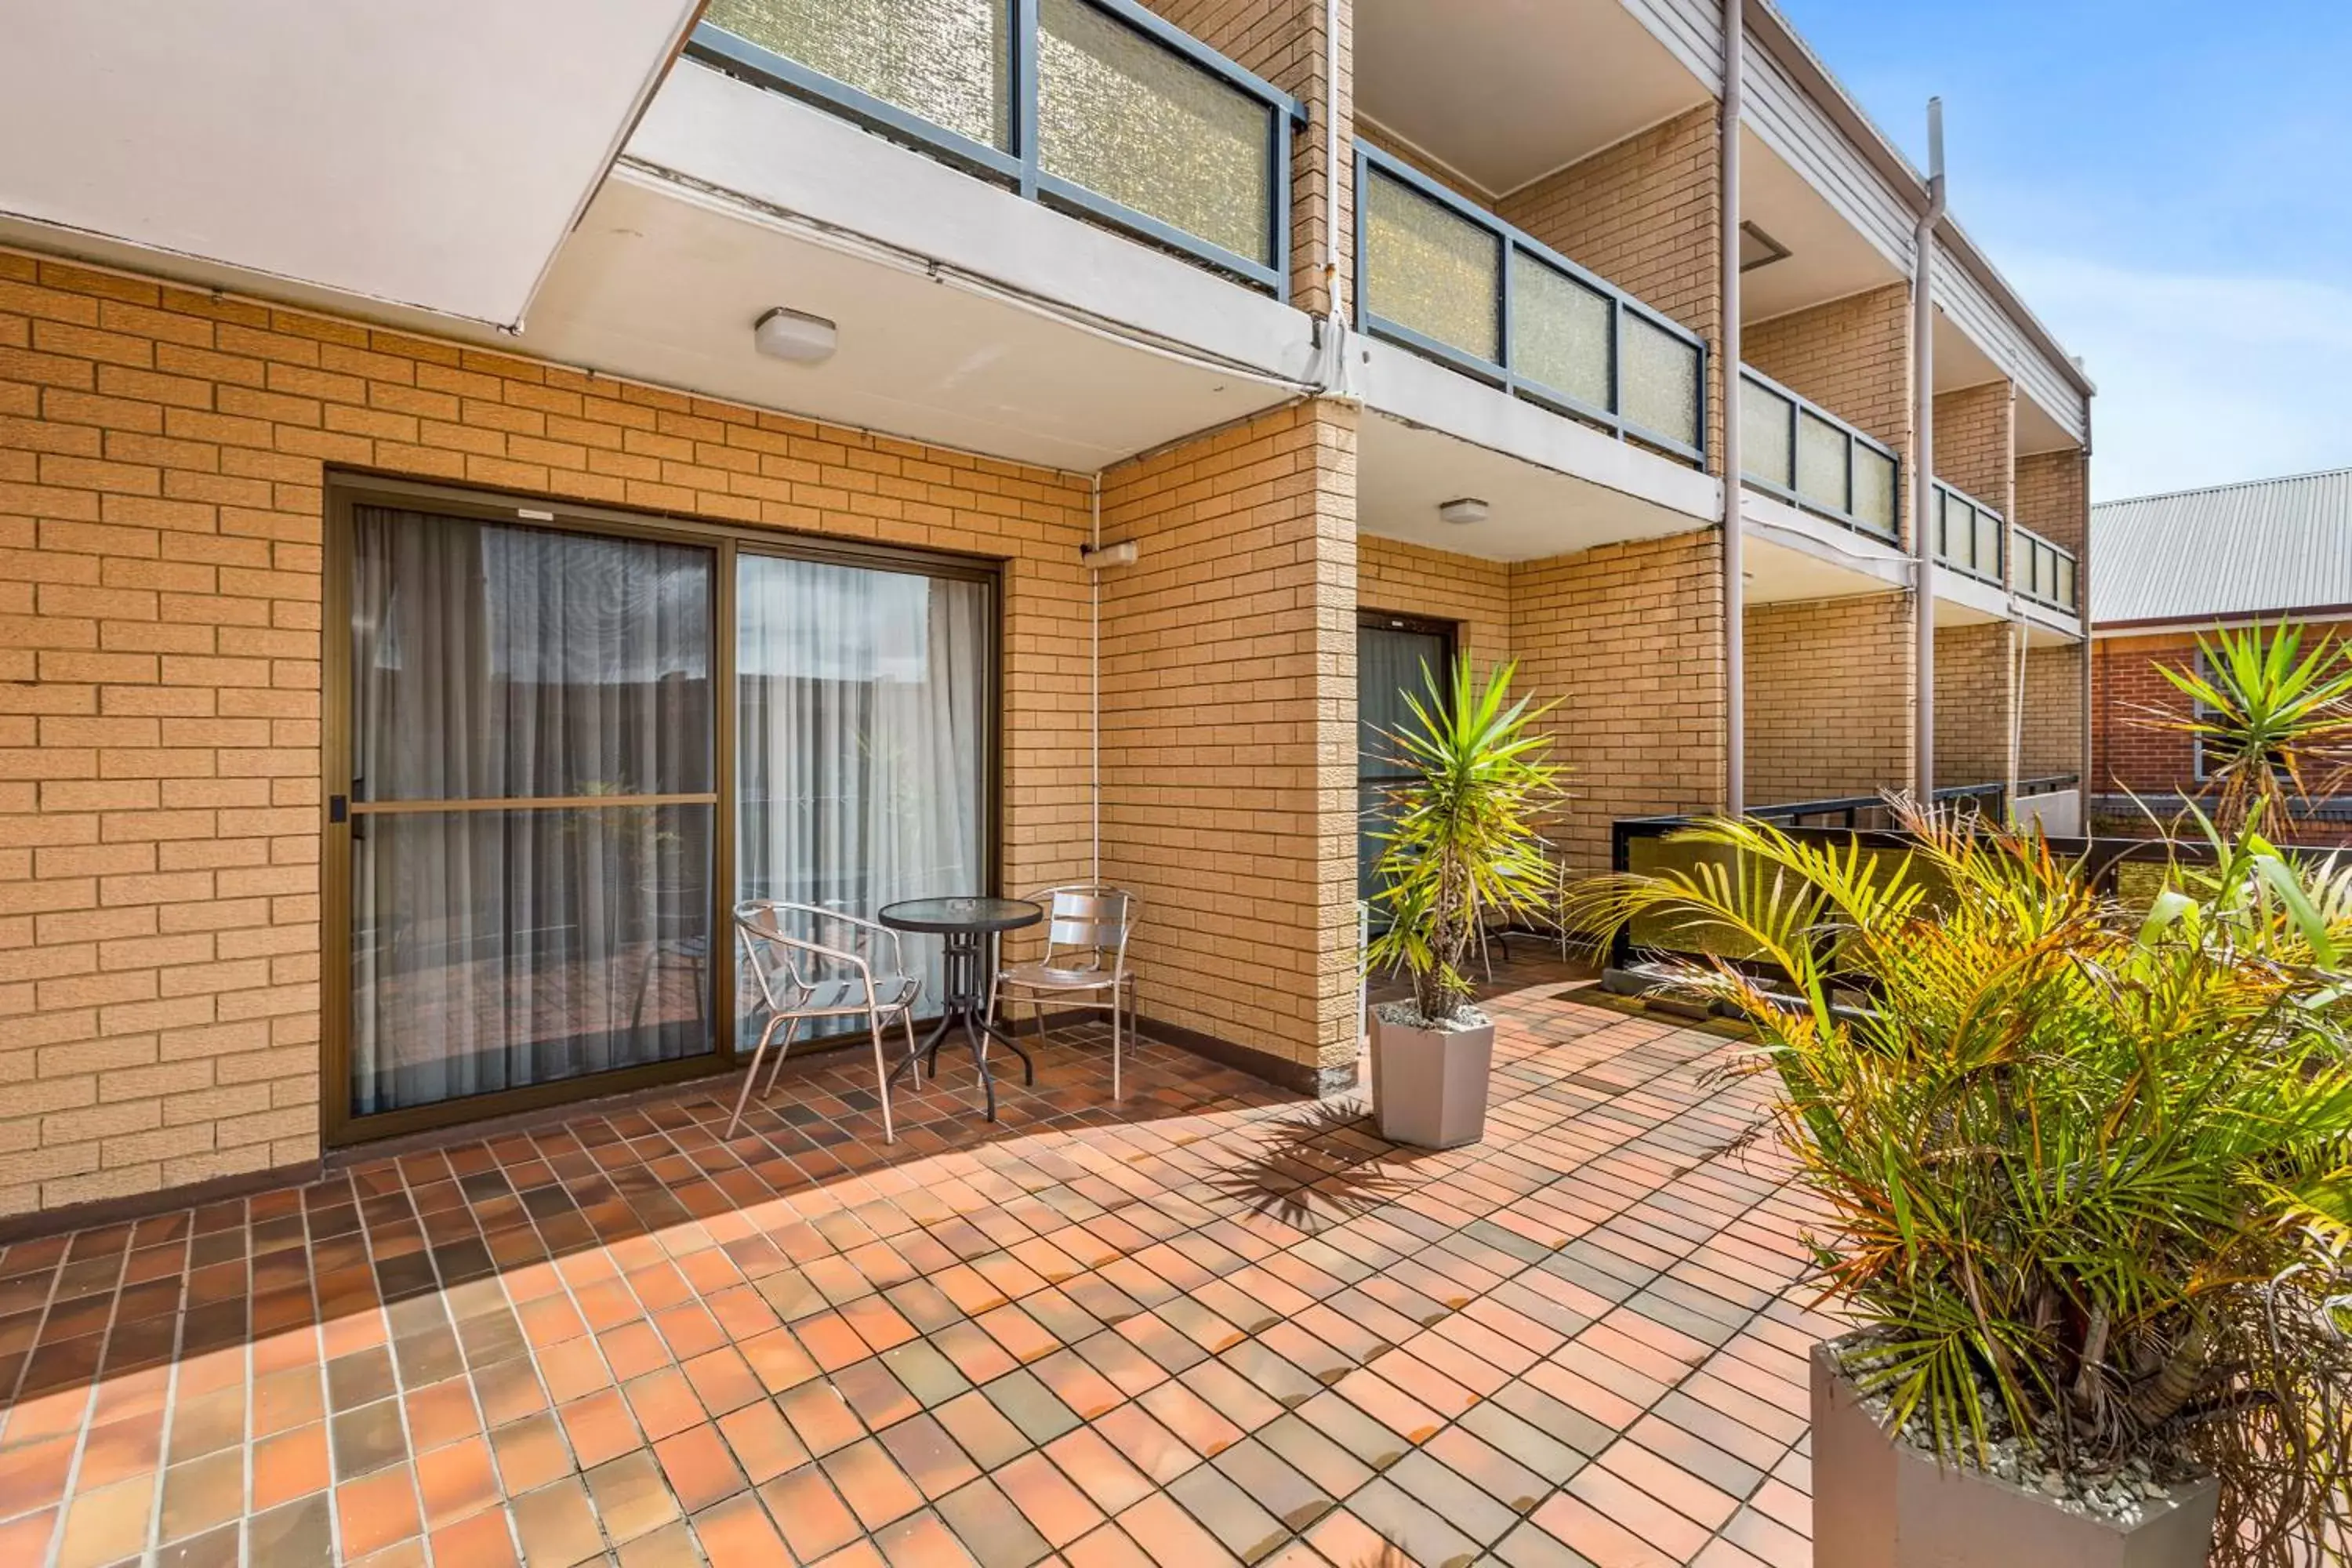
(1097, 107)
(1438, 275)
(1799, 452)
(2044, 572)
(1968, 535)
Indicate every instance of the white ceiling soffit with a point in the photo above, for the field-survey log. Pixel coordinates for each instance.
(663, 283)
(1828, 258)
(1408, 471)
(1506, 92)
(1792, 555)
(431, 154)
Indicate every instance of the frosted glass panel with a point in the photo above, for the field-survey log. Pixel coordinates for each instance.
(1132, 121)
(1764, 436)
(1874, 489)
(1559, 331)
(1429, 270)
(1661, 381)
(1821, 462)
(2065, 581)
(947, 61)
(1988, 545)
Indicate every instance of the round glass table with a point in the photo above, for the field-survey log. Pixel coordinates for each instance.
(965, 926)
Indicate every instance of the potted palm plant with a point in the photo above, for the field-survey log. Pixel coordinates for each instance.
(2088, 1176)
(1463, 845)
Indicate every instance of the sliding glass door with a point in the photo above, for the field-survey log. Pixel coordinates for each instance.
(862, 740)
(559, 750)
(532, 797)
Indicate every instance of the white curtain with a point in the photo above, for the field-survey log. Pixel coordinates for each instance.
(496, 948)
(862, 738)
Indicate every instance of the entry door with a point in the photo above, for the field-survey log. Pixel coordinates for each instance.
(532, 792)
(1395, 655)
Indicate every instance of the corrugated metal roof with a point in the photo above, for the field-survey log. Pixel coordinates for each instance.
(2230, 549)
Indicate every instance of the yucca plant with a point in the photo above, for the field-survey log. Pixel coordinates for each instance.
(1463, 839)
(2065, 1148)
(2274, 721)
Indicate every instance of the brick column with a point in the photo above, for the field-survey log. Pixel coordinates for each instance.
(1975, 684)
(1229, 745)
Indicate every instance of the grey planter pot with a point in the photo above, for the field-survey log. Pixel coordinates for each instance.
(1878, 1503)
(1428, 1085)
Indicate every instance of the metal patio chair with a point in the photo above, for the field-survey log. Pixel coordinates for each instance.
(815, 962)
(1085, 964)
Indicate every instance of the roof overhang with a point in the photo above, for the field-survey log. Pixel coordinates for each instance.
(1797, 58)
(431, 155)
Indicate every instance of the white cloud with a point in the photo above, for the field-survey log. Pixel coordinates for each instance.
(2202, 379)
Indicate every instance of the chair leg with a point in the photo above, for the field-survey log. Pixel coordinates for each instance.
(752, 1076)
(1116, 1091)
(881, 1074)
(776, 1073)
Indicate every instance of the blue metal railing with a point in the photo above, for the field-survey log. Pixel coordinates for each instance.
(2044, 572)
(1014, 154)
(1970, 537)
(1792, 449)
(1531, 320)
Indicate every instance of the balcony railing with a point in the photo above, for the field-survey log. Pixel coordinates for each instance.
(1808, 457)
(1968, 535)
(1444, 277)
(1097, 106)
(2044, 572)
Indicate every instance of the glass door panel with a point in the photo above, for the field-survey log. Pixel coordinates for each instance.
(532, 805)
(1393, 657)
(862, 743)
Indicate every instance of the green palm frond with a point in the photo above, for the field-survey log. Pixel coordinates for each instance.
(2058, 1139)
(1464, 837)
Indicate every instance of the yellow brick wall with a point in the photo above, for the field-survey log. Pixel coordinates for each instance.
(1414, 579)
(1976, 430)
(1829, 697)
(1974, 682)
(161, 459)
(1628, 638)
(1287, 42)
(2054, 498)
(1645, 214)
(1229, 745)
(2052, 740)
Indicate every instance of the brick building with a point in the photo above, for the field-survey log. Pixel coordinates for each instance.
(446, 559)
(2181, 565)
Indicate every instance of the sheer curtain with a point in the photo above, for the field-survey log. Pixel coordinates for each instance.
(497, 944)
(862, 738)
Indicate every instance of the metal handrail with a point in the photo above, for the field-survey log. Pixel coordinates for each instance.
(1856, 440)
(1971, 562)
(2044, 572)
(1018, 165)
(1509, 242)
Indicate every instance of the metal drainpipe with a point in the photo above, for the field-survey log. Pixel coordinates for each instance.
(1923, 449)
(1735, 583)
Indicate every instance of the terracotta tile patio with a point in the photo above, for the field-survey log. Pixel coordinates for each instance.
(1215, 1323)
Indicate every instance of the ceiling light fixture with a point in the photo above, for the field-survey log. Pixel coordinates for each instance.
(1463, 509)
(796, 337)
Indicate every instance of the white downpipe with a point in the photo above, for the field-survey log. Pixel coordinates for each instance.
(1735, 554)
(1923, 452)
(1094, 691)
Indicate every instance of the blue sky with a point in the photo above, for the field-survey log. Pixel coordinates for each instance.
(2165, 184)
